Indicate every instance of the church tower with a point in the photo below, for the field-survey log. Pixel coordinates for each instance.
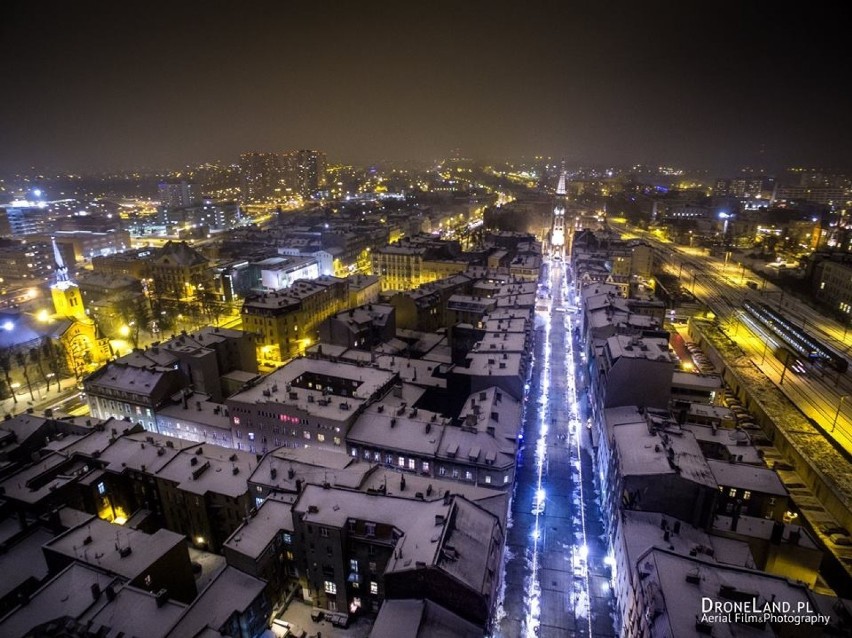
(67, 300)
(557, 233)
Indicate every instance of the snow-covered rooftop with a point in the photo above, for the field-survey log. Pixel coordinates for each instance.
(748, 477)
(254, 536)
(98, 542)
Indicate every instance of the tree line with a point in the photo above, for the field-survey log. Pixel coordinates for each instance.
(45, 361)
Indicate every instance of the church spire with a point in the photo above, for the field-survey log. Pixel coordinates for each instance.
(560, 188)
(61, 268)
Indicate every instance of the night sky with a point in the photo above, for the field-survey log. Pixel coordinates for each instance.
(719, 85)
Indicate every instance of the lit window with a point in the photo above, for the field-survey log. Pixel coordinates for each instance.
(488, 479)
(320, 437)
(307, 435)
(374, 588)
(746, 495)
(330, 587)
(732, 492)
(425, 466)
(411, 464)
(401, 461)
(236, 420)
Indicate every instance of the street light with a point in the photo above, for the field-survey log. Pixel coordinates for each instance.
(839, 407)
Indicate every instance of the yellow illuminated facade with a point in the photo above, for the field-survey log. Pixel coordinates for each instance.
(403, 268)
(67, 300)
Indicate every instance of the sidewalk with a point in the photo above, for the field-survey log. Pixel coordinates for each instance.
(43, 398)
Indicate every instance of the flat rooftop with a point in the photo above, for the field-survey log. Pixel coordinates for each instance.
(651, 348)
(231, 590)
(677, 601)
(210, 468)
(254, 536)
(502, 342)
(484, 364)
(411, 430)
(23, 560)
(682, 379)
(280, 469)
(422, 372)
(142, 451)
(364, 383)
(644, 454)
(95, 541)
(517, 324)
(643, 530)
(31, 484)
(198, 409)
(69, 593)
(134, 612)
(748, 477)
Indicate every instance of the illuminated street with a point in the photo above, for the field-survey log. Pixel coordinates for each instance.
(556, 577)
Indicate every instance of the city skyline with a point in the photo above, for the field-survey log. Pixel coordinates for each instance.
(95, 87)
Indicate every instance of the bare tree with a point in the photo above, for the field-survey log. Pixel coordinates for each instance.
(21, 360)
(53, 354)
(6, 366)
(132, 311)
(35, 359)
(209, 305)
